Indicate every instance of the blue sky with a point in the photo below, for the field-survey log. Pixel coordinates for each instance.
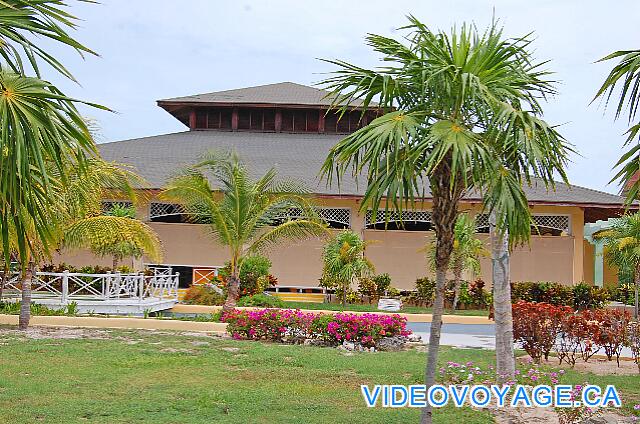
(153, 49)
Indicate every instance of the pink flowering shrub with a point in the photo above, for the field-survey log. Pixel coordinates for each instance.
(366, 329)
(279, 324)
(267, 324)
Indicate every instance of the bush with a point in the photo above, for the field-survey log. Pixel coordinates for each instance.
(478, 295)
(589, 297)
(268, 324)
(383, 283)
(289, 325)
(367, 288)
(624, 293)
(425, 291)
(203, 294)
(612, 325)
(261, 300)
(366, 329)
(580, 296)
(254, 275)
(536, 327)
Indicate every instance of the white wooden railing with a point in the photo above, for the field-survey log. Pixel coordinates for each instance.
(109, 286)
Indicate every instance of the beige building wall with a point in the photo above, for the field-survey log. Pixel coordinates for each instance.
(399, 253)
(589, 262)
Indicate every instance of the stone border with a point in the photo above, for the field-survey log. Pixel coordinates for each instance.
(129, 323)
(447, 319)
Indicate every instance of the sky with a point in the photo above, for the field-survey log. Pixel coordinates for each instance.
(154, 49)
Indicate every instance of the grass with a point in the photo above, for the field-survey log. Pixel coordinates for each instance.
(146, 377)
(160, 377)
(373, 308)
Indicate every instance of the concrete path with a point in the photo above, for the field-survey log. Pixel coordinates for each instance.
(131, 323)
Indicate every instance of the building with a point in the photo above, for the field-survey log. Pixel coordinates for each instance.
(287, 125)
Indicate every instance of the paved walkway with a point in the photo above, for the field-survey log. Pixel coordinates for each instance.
(131, 323)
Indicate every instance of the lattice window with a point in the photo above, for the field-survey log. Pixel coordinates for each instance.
(482, 223)
(394, 216)
(157, 210)
(107, 205)
(336, 217)
(554, 222)
(408, 220)
(543, 224)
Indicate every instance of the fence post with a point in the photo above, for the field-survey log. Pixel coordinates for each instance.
(141, 285)
(65, 286)
(118, 283)
(107, 286)
(176, 285)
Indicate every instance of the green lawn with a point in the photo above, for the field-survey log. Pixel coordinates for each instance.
(373, 308)
(134, 376)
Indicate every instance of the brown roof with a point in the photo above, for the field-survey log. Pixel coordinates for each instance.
(283, 93)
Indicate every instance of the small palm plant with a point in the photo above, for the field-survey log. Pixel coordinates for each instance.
(344, 262)
(622, 247)
(467, 250)
(117, 234)
(245, 215)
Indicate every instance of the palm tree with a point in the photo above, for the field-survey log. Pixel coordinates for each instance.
(74, 203)
(41, 127)
(245, 215)
(460, 112)
(115, 236)
(467, 248)
(626, 76)
(344, 262)
(622, 247)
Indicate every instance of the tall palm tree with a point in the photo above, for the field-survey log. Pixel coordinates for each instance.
(460, 112)
(245, 215)
(40, 126)
(622, 247)
(625, 76)
(344, 261)
(74, 202)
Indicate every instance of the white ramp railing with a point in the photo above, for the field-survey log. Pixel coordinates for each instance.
(74, 285)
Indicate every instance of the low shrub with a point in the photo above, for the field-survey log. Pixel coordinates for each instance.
(294, 325)
(536, 327)
(261, 300)
(612, 325)
(624, 293)
(425, 291)
(589, 297)
(203, 294)
(13, 308)
(375, 287)
(580, 296)
(254, 275)
(268, 324)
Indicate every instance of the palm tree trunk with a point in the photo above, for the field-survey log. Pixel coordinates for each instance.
(444, 217)
(637, 282)
(457, 276)
(3, 281)
(25, 302)
(505, 356)
(233, 292)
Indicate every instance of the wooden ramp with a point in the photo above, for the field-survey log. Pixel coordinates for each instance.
(117, 294)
